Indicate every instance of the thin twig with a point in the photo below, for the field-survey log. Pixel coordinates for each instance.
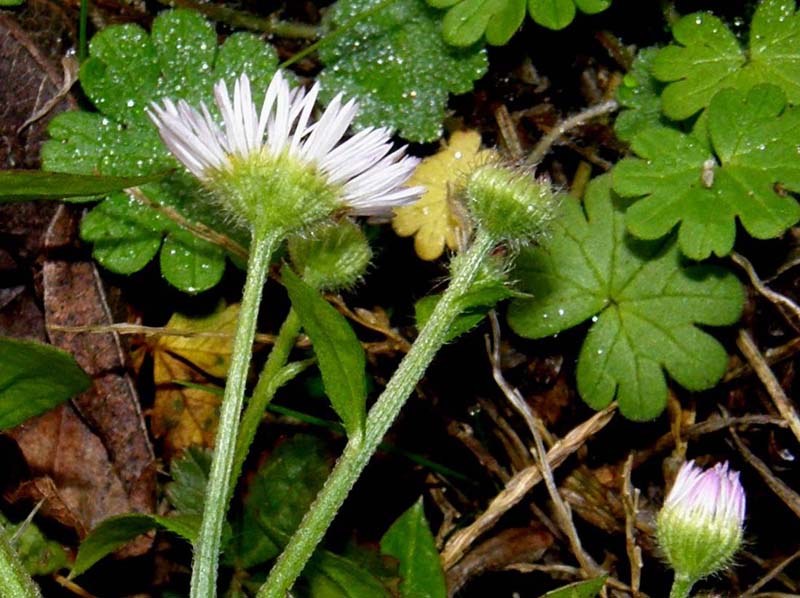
(197, 229)
(772, 574)
(521, 483)
(562, 510)
(371, 323)
(772, 356)
(630, 502)
(767, 377)
(789, 497)
(715, 423)
(266, 339)
(546, 142)
(781, 301)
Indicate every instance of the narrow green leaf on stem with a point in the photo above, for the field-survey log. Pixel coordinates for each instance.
(207, 547)
(25, 185)
(359, 450)
(340, 355)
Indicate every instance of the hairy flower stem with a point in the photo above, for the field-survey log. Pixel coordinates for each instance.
(265, 390)
(207, 545)
(681, 587)
(14, 580)
(359, 449)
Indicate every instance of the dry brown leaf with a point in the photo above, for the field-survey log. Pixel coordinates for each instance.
(186, 416)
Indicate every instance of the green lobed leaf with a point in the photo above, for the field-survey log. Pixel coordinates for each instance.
(25, 185)
(707, 57)
(644, 302)
(127, 69)
(279, 495)
(580, 589)
(411, 542)
(639, 96)
(113, 533)
(338, 350)
(396, 64)
(332, 576)
(34, 378)
(754, 139)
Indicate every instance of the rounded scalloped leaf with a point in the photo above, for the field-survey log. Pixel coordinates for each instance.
(191, 264)
(645, 305)
(172, 34)
(553, 14)
(127, 69)
(122, 73)
(469, 20)
(707, 57)
(679, 180)
(126, 235)
(396, 64)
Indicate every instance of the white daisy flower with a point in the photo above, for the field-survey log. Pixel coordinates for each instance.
(362, 174)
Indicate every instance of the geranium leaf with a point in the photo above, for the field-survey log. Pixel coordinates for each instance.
(644, 301)
(707, 57)
(754, 141)
(396, 64)
(639, 96)
(127, 69)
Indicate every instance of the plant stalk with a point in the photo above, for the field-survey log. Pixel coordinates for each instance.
(359, 449)
(681, 587)
(14, 580)
(265, 390)
(207, 545)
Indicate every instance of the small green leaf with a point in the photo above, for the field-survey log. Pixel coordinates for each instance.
(644, 301)
(639, 96)
(591, 7)
(468, 20)
(754, 140)
(482, 297)
(580, 589)
(707, 57)
(340, 355)
(38, 554)
(186, 491)
(24, 185)
(331, 576)
(411, 542)
(113, 533)
(11, 2)
(396, 64)
(34, 378)
(127, 69)
(191, 264)
(553, 14)
(279, 495)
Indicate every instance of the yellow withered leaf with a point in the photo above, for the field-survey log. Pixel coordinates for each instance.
(437, 219)
(185, 416)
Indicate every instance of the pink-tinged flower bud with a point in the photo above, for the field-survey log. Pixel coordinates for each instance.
(700, 524)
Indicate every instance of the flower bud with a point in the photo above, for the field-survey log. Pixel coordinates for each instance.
(509, 203)
(699, 527)
(331, 256)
